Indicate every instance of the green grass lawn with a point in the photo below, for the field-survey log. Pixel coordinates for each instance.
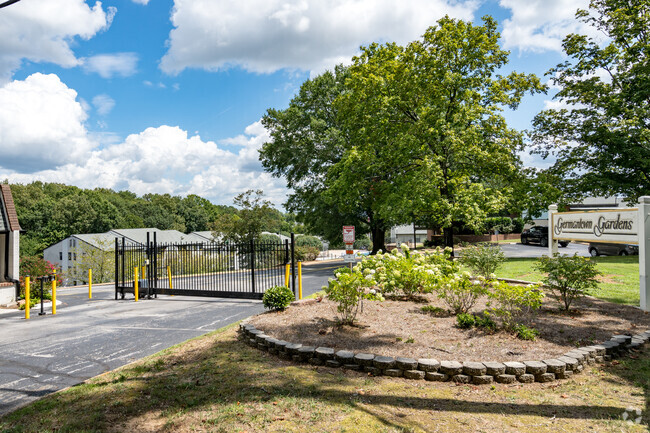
(619, 282)
(215, 383)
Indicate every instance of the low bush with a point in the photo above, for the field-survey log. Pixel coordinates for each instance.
(525, 333)
(348, 290)
(363, 243)
(433, 310)
(569, 277)
(483, 259)
(513, 303)
(309, 241)
(465, 320)
(460, 293)
(306, 253)
(277, 298)
(35, 267)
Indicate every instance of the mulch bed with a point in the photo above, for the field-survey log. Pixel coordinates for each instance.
(400, 328)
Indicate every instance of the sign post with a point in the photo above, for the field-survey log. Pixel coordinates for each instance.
(615, 226)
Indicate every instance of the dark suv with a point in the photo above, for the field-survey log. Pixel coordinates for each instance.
(539, 235)
(603, 249)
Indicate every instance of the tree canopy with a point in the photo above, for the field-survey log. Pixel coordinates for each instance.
(404, 134)
(600, 136)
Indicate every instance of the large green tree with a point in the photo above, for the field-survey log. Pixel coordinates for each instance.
(601, 136)
(430, 114)
(255, 214)
(311, 148)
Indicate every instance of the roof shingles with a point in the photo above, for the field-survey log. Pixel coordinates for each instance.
(9, 210)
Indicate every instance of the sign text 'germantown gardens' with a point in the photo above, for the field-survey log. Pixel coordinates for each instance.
(617, 226)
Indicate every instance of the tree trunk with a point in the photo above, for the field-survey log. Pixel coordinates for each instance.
(378, 238)
(448, 237)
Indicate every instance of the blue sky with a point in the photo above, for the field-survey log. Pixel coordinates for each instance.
(165, 96)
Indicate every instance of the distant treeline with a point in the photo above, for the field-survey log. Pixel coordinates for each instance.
(50, 212)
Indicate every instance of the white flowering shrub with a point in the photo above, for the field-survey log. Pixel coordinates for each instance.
(460, 293)
(408, 272)
(483, 259)
(348, 290)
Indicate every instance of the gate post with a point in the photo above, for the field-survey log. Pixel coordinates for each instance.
(252, 249)
(293, 265)
(117, 258)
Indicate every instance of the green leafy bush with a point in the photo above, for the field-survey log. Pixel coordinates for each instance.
(465, 320)
(518, 225)
(525, 333)
(363, 243)
(460, 293)
(306, 253)
(35, 267)
(348, 289)
(483, 259)
(513, 303)
(268, 238)
(309, 241)
(569, 277)
(436, 311)
(277, 298)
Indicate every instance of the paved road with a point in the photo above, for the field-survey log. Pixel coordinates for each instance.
(89, 337)
(519, 250)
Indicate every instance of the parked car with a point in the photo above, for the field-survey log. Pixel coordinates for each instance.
(538, 235)
(603, 249)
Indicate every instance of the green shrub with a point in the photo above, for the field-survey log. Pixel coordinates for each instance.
(518, 225)
(465, 320)
(268, 238)
(309, 241)
(485, 322)
(348, 289)
(525, 333)
(460, 293)
(483, 259)
(569, 277)
(513, 303)
(306, 253)
(35, 267)
(363, 243)
(436, 311)
(502, 224)
(277, 298)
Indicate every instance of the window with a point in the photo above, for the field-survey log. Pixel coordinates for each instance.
(75, 256)
(60, 255)
(69, 256)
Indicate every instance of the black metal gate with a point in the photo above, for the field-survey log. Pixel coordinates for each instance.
(231, 270)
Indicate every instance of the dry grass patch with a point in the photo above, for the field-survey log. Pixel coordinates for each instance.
(217, 384)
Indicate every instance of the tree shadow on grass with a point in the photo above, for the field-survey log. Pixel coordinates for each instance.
(222, 382)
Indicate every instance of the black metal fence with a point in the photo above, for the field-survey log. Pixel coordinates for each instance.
(233, 270)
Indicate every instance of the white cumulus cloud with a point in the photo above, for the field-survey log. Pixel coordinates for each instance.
(540, 25)
(41, 124)
(110, 65)
(43, 31)
(267, 35)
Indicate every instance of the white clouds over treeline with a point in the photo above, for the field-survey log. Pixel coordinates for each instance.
(44, 137)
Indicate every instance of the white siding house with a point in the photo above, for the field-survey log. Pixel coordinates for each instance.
(404, 234)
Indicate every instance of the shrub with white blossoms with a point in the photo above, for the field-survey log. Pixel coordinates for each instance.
(460, 293)
(512, 304)
(409, 272)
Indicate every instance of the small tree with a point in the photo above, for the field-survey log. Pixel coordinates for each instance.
(569, 277)
(483, 259)
(99, 257)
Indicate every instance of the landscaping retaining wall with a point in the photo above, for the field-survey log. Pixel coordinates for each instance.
(478, 373)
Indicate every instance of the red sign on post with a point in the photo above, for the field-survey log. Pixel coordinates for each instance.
(348, 234)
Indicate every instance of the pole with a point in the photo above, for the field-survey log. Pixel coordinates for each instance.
(90, 283)
(644, 251)
(169, 276)
(299, 280)
(293, 265)
(27, 291)
(286, 275)
(54, 293)
(552, 242)
(42, 313)
(135, 283)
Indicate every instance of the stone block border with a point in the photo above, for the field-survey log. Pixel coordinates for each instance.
(478, 373)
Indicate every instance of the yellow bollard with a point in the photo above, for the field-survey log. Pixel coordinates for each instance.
(27, 289)
(286, 275)
(299, 280)
(90, 283)
(169, 276)
(135, 283)
(144, 268)
(54, 294)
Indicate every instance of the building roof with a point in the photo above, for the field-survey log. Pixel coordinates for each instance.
(162, 236)
(8, 215)
(206, 235)
(103, 241)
